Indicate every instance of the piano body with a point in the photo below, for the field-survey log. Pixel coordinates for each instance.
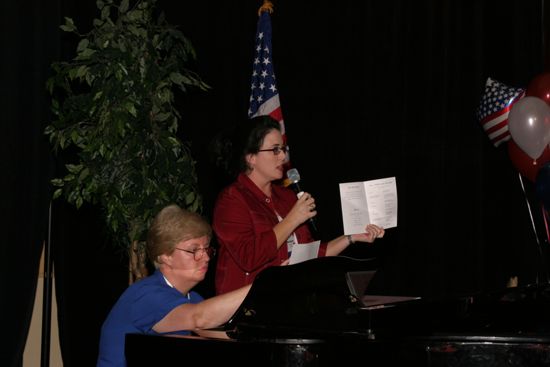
(315, 314)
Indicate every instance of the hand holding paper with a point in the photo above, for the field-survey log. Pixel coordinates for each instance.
(369, 234)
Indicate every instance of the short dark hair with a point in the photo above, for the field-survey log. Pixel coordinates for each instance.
(230, 148)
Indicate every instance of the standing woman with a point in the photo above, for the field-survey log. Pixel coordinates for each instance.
(256, 220)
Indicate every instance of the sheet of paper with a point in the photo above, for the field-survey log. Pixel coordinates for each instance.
(304, 251)
(382, 201)
(354, 207)
(373, 201)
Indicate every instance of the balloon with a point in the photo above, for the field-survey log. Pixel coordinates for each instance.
(526, 165)
(542, 185)
(540, 87)
(529, 125)
(494, 107)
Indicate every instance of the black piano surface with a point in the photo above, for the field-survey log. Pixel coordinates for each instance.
(309, 314)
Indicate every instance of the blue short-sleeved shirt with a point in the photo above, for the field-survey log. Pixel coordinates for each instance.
(138, 309)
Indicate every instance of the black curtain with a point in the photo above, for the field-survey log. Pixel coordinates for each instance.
(368, 90)
(28, 40)
(390, 88)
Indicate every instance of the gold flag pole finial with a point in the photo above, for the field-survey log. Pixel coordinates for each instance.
(266, 6)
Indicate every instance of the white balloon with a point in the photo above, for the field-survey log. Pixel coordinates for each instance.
(529, 124)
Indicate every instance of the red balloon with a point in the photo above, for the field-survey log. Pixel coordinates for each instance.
(540, 87)
(526, 165)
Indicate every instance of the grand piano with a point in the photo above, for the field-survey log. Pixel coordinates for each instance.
(321, 313)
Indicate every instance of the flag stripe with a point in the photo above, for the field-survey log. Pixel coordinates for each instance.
(495, 118)
(501, 138)
(495, 134)
(503, 125)
(268, 106)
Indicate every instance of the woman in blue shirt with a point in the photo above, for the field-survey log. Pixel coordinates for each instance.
(178, 243)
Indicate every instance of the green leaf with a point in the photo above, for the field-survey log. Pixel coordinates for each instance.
(83, 174)
(162, 116)
(131, 108)
(189, 198)
(180, 79)
(85, 54)
(74, 168)
(81, 71)
(57, 182)
(105, 12)
(82, 45)
(69, 25)
(123, 8)
(174, 141)
(57, 193)
(135, 15)
(74, 136)
(62, 141)
(49, 130)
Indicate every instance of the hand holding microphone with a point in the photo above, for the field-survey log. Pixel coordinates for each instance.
(306, 202)
(304, 199)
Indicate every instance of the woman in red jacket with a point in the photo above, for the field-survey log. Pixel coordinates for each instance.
(257, 221)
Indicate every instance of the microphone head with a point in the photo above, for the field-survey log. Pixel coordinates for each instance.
(293, 175)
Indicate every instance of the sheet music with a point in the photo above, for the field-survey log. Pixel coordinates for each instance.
(304, 251)
(373, 201)
(376, 301)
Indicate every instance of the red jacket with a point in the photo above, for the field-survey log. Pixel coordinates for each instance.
(243, 222)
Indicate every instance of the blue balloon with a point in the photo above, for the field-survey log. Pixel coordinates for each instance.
(542, 185)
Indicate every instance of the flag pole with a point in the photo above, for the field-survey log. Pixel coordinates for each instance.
(264, 94)
(47, 296)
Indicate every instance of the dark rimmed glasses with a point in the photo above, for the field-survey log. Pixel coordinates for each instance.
(198, 253)
(276, 150)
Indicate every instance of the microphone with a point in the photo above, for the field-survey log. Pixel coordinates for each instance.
(293, 180)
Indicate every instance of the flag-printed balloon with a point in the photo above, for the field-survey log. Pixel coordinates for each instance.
(494, 107)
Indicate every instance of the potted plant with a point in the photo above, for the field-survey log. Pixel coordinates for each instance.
(114, 111)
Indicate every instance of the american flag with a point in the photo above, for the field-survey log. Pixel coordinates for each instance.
(264, 96)
(495, 105)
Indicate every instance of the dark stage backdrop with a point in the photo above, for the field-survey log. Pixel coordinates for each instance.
(368, 89)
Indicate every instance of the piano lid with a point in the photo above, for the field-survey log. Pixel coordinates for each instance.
(313, 299)
(308, 298)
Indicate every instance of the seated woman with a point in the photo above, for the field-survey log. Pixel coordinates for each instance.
(178, 243)
(255, 220)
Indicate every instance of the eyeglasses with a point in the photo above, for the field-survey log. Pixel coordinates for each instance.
(276, 150)
(199, 252)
